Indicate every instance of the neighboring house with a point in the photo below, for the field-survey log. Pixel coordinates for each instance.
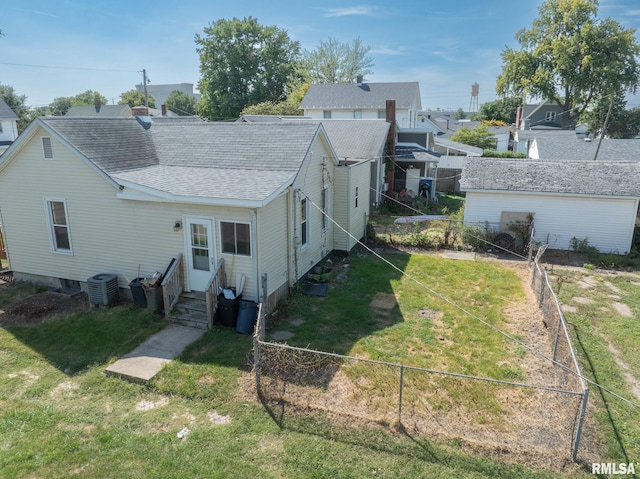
(596, 201)
(125, 196)
(350, 101)
(161, 92)
(99, 110)
(544, 114)
(8, 126)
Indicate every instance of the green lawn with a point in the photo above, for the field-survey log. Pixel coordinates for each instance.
(61, 417)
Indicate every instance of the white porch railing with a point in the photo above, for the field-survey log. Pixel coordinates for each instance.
(172, 285)
(216, 282)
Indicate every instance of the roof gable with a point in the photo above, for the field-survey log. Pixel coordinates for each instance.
(364, 95)
(6, 113)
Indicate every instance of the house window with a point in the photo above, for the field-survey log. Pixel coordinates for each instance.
(326, 114)
(58, 225)
(236, 238)
(0, 127)
(304, 222)
(325, 208)
(382, 114)
(356, 196)
(550, 116)
(47, 148)
(357, 114)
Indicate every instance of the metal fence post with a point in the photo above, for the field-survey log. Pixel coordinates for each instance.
(583, 411)
(256, 352)
(542, 285)
(400, 396)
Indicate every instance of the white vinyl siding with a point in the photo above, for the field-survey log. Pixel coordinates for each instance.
(347, 181)
(109, 235)
(607, 223)
(315, 174)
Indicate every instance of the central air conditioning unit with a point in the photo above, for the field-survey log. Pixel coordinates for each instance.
(102, 289)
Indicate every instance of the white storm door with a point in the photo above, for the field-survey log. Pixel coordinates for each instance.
(199, 251)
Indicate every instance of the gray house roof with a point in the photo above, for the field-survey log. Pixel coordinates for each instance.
(352, 139)
(6, 113)
(224, 161)
(570, 147)
(103, 110)
(365, 95)
(620, 179)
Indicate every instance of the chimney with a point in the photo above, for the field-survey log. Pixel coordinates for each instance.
(164, 109)
(359, 80)
(518, 117)
(97, 103)
(391, 140)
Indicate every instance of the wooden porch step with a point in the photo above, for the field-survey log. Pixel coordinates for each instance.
(190, 311)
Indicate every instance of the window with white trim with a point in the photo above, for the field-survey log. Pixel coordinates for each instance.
(357, 114)
(58, 225)
(382, 114)
(236, 238)
(326, 114)
(304, 222)
(0, 127)
(550, 116)
(47, 148)
(325, 208)
(357, 193)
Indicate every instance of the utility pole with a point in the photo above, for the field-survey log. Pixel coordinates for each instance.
(604, 128)
(144, 85)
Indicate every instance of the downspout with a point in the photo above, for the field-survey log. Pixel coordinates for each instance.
(254, 247)
(295, 237)
(289, 195)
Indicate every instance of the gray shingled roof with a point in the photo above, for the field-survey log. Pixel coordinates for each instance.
(105, 110)
(197, 159)
(357, 139)
(557, 177)
(366, 95)
(558, 147)
(6, 113)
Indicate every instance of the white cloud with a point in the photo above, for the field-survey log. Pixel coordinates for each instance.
(361, 10)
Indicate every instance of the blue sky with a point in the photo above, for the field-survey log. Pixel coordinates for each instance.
(103, 45)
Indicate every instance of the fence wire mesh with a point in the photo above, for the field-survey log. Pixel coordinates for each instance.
(486, 414)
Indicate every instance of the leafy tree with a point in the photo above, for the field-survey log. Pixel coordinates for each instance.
(18, 104)
(459, 114)
(88, 97)
(571, 57)
(622, 123)
(480, 137)
(135, 98)
(60, 106)
(181, 103)
(243, 63)
(283, 108)
(502, 110)
(336, 62)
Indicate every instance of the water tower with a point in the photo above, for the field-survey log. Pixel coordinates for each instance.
(473, 104)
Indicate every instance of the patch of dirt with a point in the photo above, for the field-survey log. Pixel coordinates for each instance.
(40, 307)
(384, 301)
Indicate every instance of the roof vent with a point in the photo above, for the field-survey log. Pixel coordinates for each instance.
(587, 139)
(145, 121)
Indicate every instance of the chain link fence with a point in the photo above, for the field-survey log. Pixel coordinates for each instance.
(526, 421)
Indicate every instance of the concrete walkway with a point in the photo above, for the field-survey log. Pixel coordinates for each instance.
(145, 361)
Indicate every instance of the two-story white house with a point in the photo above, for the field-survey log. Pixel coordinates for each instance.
(363, 101)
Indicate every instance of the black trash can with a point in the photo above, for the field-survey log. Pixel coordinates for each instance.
(247, 315)
(228, 310)
(137, 293)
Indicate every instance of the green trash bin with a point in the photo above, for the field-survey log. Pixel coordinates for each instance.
(137, 293)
